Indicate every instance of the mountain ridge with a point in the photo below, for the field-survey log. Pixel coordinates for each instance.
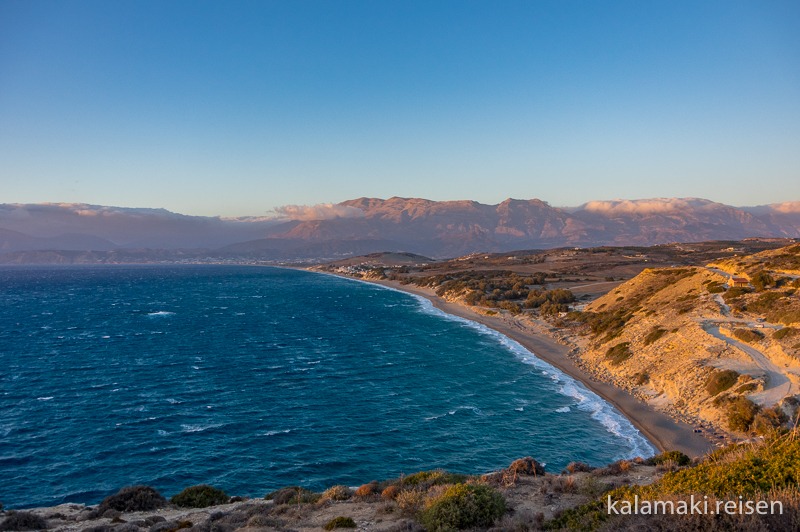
(363, 225)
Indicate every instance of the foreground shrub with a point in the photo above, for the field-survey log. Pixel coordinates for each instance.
(676, 457)
(426, 479)
(719, 381)
(526, 466)
(337, 493)
(292, 495)
(463, 506)
(23, 521)
(201, 496)
(368, 490)
(340, 522)
(133, 499)
(390, 493)
(578, 467)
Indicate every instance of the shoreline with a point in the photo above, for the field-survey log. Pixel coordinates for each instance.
(661, 430)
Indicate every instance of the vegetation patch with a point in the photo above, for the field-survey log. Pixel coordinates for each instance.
(133, 499)
(23, 521)
(719, 381)
(740, 413)
(676, 457)
(786, 332)
(654, 335)
(292, 495)
(748, 335)
(340, 522)
(201, 496)
(619, 353)
(426, 479)
(463, 506)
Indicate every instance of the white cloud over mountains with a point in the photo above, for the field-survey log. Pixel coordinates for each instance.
(648, 206)
(321, 211)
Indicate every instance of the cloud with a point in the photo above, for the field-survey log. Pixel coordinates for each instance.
(648, 206)
(787, 207)
(321, 211)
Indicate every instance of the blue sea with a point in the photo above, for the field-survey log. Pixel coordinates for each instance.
(254, 378)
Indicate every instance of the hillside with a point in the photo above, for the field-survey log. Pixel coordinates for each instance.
(686, 340)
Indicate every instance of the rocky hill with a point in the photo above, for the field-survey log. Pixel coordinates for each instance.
(703, 341)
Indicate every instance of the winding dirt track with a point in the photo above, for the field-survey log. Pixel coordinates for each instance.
(778, 384)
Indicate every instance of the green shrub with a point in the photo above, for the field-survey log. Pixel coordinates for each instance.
(748, 335)
(133, 499)
(719, 381)
(669, 456)
(340, 522)
(770, 420)
(201, 496)
(463, 506)
(426, 479)
(762, 280)
(619, 353)
(292, 495)
(741, 413)
(23, 521)
(654, 335)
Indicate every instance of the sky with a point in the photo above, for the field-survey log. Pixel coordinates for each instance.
(237, 108)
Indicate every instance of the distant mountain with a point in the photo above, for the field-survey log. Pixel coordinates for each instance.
(366, 225)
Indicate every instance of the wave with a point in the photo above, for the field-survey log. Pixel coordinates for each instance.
(161, 313)
(600, 410)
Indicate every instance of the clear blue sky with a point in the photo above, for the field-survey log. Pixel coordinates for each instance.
(235, 108)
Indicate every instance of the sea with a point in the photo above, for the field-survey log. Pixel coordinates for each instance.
(252, 378)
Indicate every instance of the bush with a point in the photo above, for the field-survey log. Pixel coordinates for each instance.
(23, 521)
(654, 335)
(526, 466)
(292, 495)
(669, 456)
(426, 479)
(784, 333)
(463, 506)
(367, 490)
(741, 413)
(578, 467)
(340, 522)
(391, 492)
(619, 353)
(719, 381)
(133, 499)
(201, 496)
(770, 420)
(337, 493)
(748, 335)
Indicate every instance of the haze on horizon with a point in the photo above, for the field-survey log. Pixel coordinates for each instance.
(212, 108)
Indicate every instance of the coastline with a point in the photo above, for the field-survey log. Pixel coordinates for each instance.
(662, 431)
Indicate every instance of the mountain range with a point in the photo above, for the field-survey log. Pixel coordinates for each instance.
(434, 228)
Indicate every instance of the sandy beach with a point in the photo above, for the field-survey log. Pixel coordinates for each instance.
(664, 432)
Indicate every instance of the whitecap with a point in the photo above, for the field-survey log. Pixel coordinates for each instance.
(161, 313)
(48, 398)
(519, 409)
(563, 409)
(198, 428)
(274, 432)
